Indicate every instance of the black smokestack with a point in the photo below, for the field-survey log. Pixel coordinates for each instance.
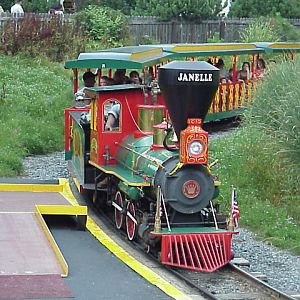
(188, 88)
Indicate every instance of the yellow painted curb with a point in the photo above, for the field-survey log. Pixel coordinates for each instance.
(52, 242)
(63, 210)
(135, 265)
(124, 256)
(18, 187)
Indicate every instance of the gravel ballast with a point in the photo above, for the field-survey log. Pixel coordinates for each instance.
(281, 268)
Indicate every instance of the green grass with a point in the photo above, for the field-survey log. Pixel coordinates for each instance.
(262, 159)
(33, 95)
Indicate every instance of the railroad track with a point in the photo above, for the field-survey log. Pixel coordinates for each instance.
(229, 283)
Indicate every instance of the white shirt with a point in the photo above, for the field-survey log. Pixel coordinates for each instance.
(17, 9)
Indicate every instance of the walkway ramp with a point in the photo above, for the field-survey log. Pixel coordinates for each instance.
(30, 260)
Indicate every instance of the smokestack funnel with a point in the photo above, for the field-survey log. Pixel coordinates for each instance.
(188, 88)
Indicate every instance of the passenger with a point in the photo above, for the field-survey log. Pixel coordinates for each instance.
(1, 10)
(230, 75)
(110, 81)
(113, 117)
(104, 81)
(17, 8)
(209, 61)
(244, 74)
(89, 80)
(81, 95)
(135, 77)
(148, 76)
(223, 73)
(260, 68)
(120, 77)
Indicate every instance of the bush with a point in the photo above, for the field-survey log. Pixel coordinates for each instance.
(261, 30)
(277, 111)
(262, 158)
(38, 6)
(34, 36)
(108, 26)
(270, 29)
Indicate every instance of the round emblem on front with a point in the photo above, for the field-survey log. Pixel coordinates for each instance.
(191, 189)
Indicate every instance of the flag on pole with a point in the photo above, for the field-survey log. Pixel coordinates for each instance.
(235, 212)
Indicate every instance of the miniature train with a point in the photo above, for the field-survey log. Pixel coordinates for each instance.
(160, 190)
(152, 170)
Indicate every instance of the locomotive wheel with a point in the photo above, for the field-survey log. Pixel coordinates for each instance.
(119, 217)
(130, 224)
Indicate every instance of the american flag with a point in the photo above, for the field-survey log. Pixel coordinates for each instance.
(235, 212)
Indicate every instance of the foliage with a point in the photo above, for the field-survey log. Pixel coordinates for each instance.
(6, 4)
(215, 38)
(192, 10)
(277, 111)
(125, 6)
(34, 37)
(31, 109)
(287, 31)
(38, 6)
(104, 24)
(265, 29)
(261, 30)
(82, 4)
(262, 159)
(148, 40)
(253, 8)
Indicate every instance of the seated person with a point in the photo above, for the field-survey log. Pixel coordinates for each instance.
(120, 77)
(223, 73)
(244, 74)
(104, 81)
(83, 97)
(148, 76)
(89, 81)
(260, 68)
(135, 77)
(113, 116)
(230, 75)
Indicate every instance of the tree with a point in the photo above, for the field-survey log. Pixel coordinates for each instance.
(253, 8)
(104, 25)
(192, 10)
(38, 6)
(125, 6)
(6, 4)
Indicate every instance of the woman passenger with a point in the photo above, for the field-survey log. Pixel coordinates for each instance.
(135, 77)
(244, 74)
(260, 68)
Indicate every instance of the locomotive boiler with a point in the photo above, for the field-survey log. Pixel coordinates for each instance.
(153, 170)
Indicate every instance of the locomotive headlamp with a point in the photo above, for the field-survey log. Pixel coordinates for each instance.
(195, 148)
(193, 143)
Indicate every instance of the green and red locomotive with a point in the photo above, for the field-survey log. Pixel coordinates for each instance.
(152, 168)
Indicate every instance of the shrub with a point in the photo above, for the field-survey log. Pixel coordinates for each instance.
(261, 30)
(38, 6)
(103, 24)
(277, 111)
(262, 158)
(34, 36)
(270, 29)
